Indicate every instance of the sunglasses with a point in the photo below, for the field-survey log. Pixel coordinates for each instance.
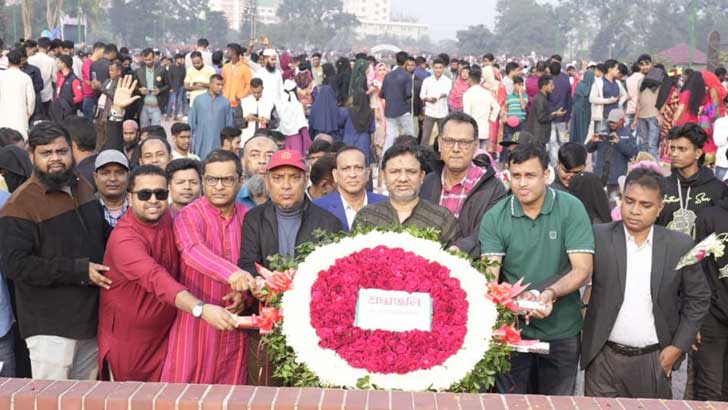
(146, 194)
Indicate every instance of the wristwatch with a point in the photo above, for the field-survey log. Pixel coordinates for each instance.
(197, 310)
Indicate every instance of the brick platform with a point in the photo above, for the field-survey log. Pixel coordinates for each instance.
(23, 394)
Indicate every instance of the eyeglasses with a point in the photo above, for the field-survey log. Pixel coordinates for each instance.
(146, 194)
(226, 181)
(61, 152)
(451, 142)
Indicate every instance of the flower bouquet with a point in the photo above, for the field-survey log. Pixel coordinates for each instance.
(711, 245)
(385, 309)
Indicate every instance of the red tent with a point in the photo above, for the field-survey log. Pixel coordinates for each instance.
(680, 55)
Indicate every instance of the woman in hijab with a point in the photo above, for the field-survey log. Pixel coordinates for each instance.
(293, 120)
(15, 166)
(375, 80)
(304, 86)
(461, 84)
(581, 111)
(324, 117)
(343, 78)
(358, 123)
(590, 191)
(359, 77)
(285, 61)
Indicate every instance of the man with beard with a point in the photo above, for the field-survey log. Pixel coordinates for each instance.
(130, 131)
(256, 153)
(271, 76)
(184, 183)
(53, 254)
(197, 78)
(404, 172)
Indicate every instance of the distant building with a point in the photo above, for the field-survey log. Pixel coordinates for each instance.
(375, 18)
(237, 11)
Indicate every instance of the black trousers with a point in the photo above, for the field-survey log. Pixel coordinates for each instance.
(709, 362)
(611, 374)
(553, 374)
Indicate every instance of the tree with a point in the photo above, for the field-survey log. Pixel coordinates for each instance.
(53, 13)
(524, 26)
(475, 40)
(313, 23)
(27, 18)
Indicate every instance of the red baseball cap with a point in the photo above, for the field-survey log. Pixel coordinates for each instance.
(284, 158)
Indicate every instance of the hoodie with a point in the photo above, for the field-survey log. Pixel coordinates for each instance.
(715, 220)
(705, 190)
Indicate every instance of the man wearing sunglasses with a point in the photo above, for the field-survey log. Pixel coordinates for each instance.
(137, 312)
(208, 235)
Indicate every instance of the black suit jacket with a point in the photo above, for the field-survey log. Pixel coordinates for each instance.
(680, 298)
(260, 232)
(160, 81)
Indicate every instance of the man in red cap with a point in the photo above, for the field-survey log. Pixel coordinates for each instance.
(281, 224)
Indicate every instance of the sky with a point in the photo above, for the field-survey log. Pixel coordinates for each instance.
(443, 20)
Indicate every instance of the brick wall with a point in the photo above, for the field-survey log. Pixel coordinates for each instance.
(24, 394)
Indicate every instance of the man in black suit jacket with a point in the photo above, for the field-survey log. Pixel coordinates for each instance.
(155, 93)
(643, 314)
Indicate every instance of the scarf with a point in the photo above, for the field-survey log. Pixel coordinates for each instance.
(587, 187)
(456, 94)
(361, 113)
(304, 79)
(285, 62)
(713, 83)
(359, 76)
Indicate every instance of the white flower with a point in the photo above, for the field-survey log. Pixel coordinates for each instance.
(335, 371)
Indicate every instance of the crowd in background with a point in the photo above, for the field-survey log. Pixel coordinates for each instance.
(143, 190)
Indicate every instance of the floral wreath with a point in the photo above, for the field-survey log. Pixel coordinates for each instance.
(309, 314)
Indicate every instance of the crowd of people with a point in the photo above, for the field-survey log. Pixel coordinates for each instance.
(127, 250)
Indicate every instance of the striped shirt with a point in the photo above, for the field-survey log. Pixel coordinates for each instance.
(454, 198)
(209, 247)
(424, 215)
(513, 104)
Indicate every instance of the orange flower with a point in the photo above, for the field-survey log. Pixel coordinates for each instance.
(508, 334)
(505, 293)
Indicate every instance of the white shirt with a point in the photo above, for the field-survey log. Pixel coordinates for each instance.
(47, 66)
(177, 155)
(250, 105)
(635, 324)
(17, 100)
(77, 66)
(435, 88)
(350, 211)
(633, 90)
(272, 84)
(508, 83)
(480, 104)
(720, 136)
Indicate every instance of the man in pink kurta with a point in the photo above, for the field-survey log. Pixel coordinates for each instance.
(137, 311)
(208, 234)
